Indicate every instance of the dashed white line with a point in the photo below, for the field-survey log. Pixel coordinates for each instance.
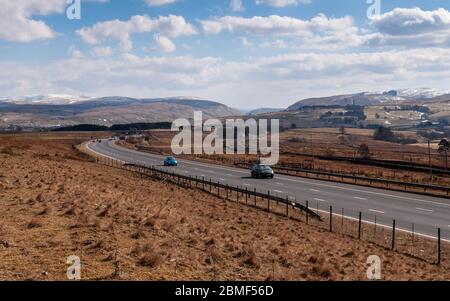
(365, 191)
(279, 191)
(315, 190)
(281, 184)
(245, 184)
(221, 179)
(426, 210)
(320, 200)
(358, 198)
(376, 211)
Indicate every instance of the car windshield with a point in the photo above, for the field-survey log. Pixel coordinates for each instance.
(265, 168)
(171, 159)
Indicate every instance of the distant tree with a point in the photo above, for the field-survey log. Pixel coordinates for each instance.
(342, 130)
(444, 147)
(364, 151)
(384, 134)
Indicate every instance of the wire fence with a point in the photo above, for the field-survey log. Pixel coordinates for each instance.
(430, 244)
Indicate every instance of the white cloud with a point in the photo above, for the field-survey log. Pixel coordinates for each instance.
(318, 32)
(410, 27)
(159, 2)
(412, 21)
(17, 23)
(246, 43)
(279, 44)
(236, 5)
(282, 3)
(277, 25)
(257, 81)
(164, 44)
(171, 26)
(102, 51)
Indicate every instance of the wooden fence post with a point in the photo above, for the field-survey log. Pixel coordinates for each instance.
(331, 218)
(439, 246)
(307, 215)
(393, 235)
(359, 225)
(287, 206)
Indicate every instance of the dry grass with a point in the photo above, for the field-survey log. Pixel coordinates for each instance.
(125, 227)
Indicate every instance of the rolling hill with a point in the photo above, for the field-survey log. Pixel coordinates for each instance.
(62, 110)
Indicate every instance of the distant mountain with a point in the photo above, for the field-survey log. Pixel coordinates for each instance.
(66, 110)
(54, 99)
(264, 111)
(375, 98)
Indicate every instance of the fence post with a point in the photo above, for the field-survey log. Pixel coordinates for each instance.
(246, 196)
(307, 214)
(359, 225)
(203, 183)
(255, 196)
(287, 206)
(439, 246)
(237, 194)
(268, 200)
(393, 235)
(226, 189)
(331, 218)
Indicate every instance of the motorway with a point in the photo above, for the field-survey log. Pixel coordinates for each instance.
(427, 213)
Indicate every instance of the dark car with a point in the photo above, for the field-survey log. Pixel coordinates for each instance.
(262, 171)
(170, 161)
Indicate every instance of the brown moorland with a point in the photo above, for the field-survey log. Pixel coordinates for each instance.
(55, 203)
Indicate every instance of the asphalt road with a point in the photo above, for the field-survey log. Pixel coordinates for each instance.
(425, 212)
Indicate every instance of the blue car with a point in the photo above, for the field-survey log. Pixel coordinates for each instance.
(170, 161)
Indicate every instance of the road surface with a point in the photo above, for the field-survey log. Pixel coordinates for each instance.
(425, 212)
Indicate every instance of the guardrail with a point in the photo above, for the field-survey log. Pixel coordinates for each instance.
(430, 244)
(444, 191)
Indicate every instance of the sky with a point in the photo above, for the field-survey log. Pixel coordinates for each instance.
(243, 53)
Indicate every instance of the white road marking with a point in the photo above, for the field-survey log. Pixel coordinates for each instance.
(369, 192)
(245, 184)
(279, 191)
(315, 190)
(221, 179)
(320, 200)
(376, 211)
(281, 184)
(358, 198)
(426, 210)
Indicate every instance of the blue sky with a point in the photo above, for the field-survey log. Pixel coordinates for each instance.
(247, 53)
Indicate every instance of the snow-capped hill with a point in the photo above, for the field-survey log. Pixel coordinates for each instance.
(421, 93)
(374, 98)
(54, 99)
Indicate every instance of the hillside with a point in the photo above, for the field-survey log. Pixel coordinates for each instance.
(56, 203)
(49, 111)
(393, 97)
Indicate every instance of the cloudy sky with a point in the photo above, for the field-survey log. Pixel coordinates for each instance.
(244, 53)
